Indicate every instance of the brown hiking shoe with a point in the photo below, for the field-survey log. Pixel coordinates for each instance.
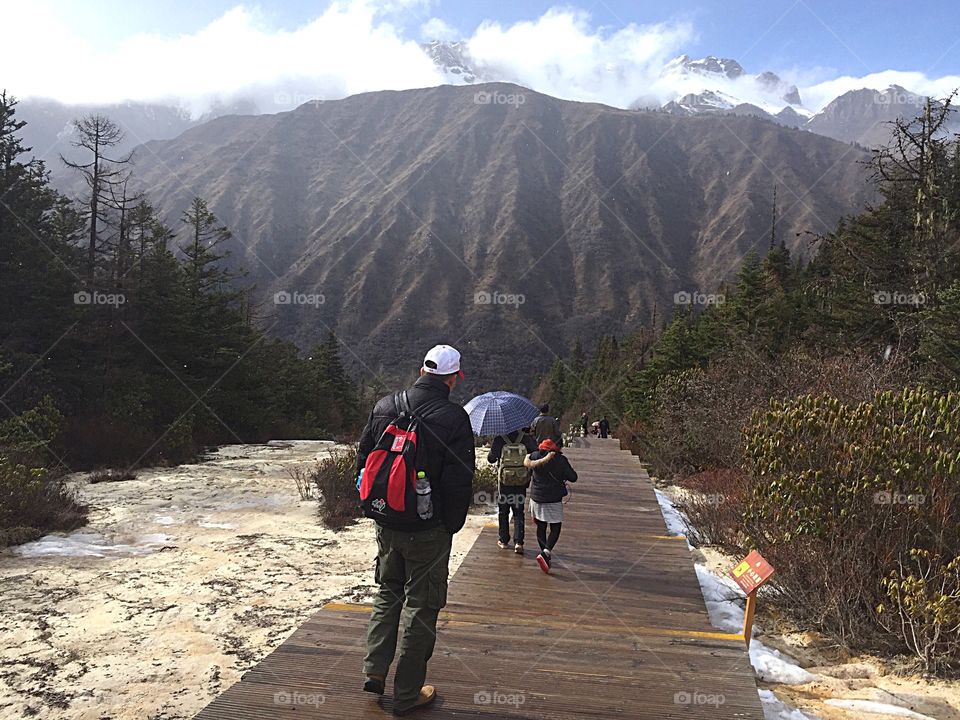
(428, 693)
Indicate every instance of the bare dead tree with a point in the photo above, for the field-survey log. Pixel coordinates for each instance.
(122, 202)
(97, 134)
(915, 168)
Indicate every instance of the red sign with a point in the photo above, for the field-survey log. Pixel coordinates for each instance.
(753, 572)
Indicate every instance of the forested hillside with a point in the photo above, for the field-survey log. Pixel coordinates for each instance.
(813, 409)
(125, 340)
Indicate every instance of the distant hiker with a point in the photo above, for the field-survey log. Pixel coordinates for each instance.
(545, 426)
(417, 457)
(584, 422)
(604, 427)
(512, 480)
(551, 473)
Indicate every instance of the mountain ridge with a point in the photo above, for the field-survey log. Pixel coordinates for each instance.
(413, 213)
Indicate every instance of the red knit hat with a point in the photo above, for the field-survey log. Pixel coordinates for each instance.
(549, 445)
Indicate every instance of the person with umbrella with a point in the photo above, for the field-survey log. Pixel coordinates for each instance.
(508, 452)
(507, 415)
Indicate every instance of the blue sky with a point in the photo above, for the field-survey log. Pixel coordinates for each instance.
(613, 51)
(842, 37)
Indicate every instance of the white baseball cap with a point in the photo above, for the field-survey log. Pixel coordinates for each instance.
(442, 360)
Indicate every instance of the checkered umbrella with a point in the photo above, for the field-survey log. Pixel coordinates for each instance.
(500, 413)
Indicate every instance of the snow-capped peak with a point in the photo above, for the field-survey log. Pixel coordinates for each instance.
(453, 58)
(709, 65)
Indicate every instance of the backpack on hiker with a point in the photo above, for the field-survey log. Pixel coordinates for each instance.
(388, 488)
(510, 470)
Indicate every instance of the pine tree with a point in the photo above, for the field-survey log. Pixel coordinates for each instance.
(333, 386)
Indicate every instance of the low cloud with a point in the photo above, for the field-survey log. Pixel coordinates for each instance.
(562, 55)
(819, 94)
(438, 29)
(352, 47)
(360, 45)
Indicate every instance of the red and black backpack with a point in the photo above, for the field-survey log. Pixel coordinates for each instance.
(388, 490)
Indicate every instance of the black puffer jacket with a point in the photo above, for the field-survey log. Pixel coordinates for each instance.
(550, 471)
(445, 451)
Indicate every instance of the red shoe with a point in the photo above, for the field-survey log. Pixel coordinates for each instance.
(543, 563)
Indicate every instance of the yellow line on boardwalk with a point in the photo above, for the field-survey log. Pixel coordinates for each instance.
(462, 619)
(349, 607)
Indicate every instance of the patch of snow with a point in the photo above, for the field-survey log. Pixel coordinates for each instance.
(91, 544)
(774, 667)
(723, 599)
(869, 706)
(773, 709)
(676, 522)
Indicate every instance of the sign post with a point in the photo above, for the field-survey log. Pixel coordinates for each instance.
(752, 572)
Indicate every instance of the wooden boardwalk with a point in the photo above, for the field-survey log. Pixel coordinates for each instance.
(617, 630)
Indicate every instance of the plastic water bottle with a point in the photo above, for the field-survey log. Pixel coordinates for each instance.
(424, 500)
(360, 478)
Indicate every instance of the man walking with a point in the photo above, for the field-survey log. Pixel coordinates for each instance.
(413, 555)
(604, 427)
(584, 423)
(546, 427)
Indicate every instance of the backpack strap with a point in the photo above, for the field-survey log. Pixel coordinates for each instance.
(420, 412)
(401, 403)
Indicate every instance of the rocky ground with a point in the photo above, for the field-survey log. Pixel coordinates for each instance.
(183, 579)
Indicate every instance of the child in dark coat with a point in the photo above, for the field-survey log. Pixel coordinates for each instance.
(551, 472)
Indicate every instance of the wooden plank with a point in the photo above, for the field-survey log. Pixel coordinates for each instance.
(618, 629)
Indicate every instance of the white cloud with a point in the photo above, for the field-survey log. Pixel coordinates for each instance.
(438, 29)
(352, 47)
(819, 94)
(562, 55)
(358, 45)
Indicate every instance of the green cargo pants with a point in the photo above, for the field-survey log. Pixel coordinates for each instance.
(411, 570)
